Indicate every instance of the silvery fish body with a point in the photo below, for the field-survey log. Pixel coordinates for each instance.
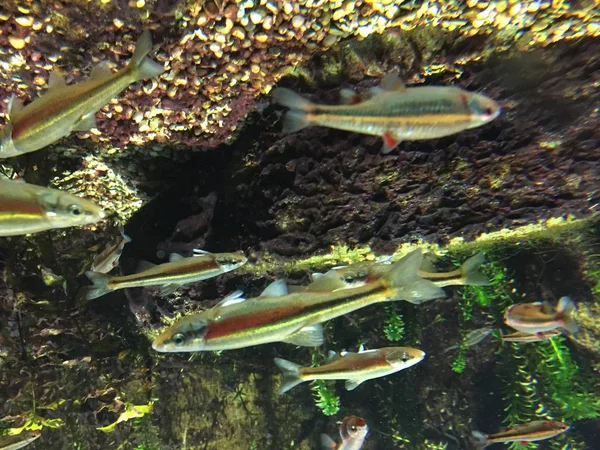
(108, 259)
(293, 318)
(540, 317)
(395, 112)
(537, 430)
(355, 368)
(26, 208)
(63, 109)
(170, 276)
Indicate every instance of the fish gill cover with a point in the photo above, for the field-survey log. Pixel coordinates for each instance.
(195, 159)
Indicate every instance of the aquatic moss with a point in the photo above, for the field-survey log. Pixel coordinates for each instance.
(325, 398)
(393, 327)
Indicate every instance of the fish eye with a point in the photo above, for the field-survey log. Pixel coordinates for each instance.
(74, 210)
(353, 428)
(179, 339)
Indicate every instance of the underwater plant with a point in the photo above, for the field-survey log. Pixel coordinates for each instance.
(393, 327)
(325, 398)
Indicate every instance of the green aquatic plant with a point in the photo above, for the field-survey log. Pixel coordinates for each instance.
(567, 393)
(393, 327)
(460, 362)
(325, 398)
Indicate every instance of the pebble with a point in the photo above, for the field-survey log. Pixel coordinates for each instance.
(261, 37)
(16, 42)
(288, 8)
(24, 21)
(256, 17)
(297, 21)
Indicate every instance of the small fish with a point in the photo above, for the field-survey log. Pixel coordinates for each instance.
(537, 430)
(355, 368)
(534, 318)
(394, 112)
(18, 440)
(63, 109)
(26, 208)
(472, 338)
(108, 259)
(353, 431)
(170, 276)
(524, 338)
(361, 273)
(278, 316)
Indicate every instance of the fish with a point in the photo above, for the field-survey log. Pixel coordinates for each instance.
(394, 112)
(19, 440)
(524, 338)
(63, 109)
(108, 259)
(353, 431)
(359, 274)
(539, 317)
(170, 276)
(355, 368)
(538, 430)
(27, 208)
(472, 338)
(295, 318)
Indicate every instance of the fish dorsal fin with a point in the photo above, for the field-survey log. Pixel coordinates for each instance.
(311, 336)
(175, 257)
(338, 267)
(56, 80)
(144, 265)
(315, 276)
(332, 356)
(327, 283)
(100, 71)
(547, 308)
(346, 353)
(277, 288)
(362, 348)
(15, 106)
(327, 443)
(200, 252)
(352, 384)
(231, 299)
(126, 238)
(392, 82)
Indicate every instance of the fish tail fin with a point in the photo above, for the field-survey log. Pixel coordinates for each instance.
(407, 285)
(297, 118)
(470, 275)
(142, 66)
(479, 439)
(566, 307)
(291, 374)
(100, 286)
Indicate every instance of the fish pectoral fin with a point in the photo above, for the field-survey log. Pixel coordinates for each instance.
(277, 288)
(352, 384)
(392, 82)
(389, 143)
(15, 106)
(100, 71)
(86, 123)
(311, 336)
(328, 282)
(169, 288)
(327, 443)
(56, 80)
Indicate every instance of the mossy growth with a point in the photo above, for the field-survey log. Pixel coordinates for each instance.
(324, 392)
(393, 327)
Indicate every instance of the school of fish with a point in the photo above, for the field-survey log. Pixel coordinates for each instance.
(282, 312)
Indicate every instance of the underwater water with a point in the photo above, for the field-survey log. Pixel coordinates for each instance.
(386, 209)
